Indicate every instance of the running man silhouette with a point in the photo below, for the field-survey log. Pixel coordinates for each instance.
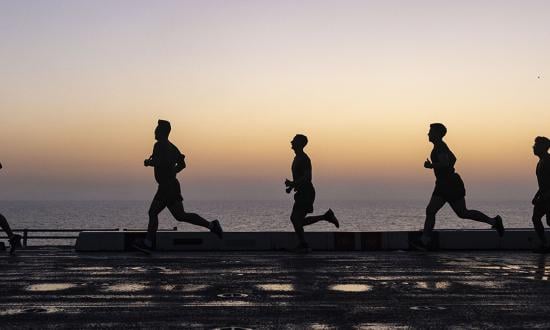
(449, 188)
(168, 161)
(14, 239)
(305, 194)
(541, 201)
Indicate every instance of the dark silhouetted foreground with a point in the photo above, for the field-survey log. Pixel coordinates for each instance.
(53, 288)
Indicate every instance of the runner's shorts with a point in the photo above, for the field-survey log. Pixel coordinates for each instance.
(169, 193)
(450, 188)
(304, 198)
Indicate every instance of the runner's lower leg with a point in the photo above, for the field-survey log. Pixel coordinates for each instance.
(5, 226)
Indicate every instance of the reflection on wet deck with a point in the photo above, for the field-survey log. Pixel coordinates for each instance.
(126, 287)
(50, 286)
(350, 287)
(443, 285)
(276, 287)
(274, 290)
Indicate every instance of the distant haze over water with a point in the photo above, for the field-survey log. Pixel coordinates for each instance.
(254, 215)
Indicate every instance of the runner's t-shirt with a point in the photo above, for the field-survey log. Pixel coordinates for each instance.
(166, 156)
(301, 166)
(443, 172)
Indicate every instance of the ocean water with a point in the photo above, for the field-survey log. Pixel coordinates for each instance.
(253, 215)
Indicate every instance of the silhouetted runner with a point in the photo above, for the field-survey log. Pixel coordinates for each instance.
(449, 188)
(168, 161)
(14, 239)
(305, 194)
(541, 201)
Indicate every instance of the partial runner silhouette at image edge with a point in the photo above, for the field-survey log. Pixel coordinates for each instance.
(541, 200)
(13, 239)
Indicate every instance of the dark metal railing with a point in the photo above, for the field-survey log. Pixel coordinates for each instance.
(27, 234)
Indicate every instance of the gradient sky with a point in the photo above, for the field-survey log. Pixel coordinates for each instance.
(83, 83)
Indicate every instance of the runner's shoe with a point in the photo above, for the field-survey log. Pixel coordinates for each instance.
(216, 228)
(418, 245)
(15, 242)
(301, 249)
(142, 247)
(498, 226)
(329, 215)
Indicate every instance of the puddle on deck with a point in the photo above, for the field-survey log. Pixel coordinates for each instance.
(185, 288)
(350, 287)
(31, 310)
(433, 285)
(90, 269)
(276, 287)
(44, 287)
(126, 287)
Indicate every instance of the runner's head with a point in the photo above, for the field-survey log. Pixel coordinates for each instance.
(437, 132)
(541, 146)
(299, 142)
(163, 130)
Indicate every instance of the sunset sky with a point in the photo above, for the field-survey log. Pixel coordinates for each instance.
(82, 84)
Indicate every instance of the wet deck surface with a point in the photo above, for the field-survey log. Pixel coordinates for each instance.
(60, 288)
